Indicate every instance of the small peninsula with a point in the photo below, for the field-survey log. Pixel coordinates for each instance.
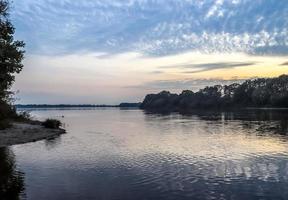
(20, 133)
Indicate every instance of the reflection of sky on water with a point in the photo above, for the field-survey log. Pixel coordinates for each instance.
(115, 153)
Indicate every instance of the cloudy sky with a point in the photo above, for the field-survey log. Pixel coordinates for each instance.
(99, 51)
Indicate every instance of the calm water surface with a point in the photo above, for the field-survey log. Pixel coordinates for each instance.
(128, 154)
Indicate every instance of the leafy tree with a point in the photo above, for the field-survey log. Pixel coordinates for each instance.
(11, 52)
(11, 56)
(269, 92)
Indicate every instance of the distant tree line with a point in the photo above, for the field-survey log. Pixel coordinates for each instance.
(61, 106)
(129, 105)
(261, 92)
(122, 105)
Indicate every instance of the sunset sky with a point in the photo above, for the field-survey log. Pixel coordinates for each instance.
(99, 51)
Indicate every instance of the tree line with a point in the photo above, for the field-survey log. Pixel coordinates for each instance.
(261, 92)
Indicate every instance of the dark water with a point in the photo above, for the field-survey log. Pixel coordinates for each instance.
(130, 155)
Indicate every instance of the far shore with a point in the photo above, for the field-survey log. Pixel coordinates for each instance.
(121, 105)
(21, 133)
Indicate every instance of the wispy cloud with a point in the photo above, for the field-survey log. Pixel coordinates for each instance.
(209, 66)
(285, 64)
(158, 27)
(157, 72)
(191, 84)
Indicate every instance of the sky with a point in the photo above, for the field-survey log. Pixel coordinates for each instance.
(107, 52)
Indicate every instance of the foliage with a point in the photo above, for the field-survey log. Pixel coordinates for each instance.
(11, 53)
(52, 123)
(11, 56)
(5, 124)
(23, 116)
(269, 92)
(6, 110)
(6, 113)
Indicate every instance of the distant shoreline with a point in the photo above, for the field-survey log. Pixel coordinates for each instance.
(121, 105)
(61, 106)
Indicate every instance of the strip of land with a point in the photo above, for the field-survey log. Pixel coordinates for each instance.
(21, 133)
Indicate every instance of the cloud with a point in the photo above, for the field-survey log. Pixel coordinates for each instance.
(222, 65)
(97, 78)
(209, 66)
(285, 64)
(259, 43)
(213, 66)
(179, 85)
(215, 10)
(157, 72)
(160, 27)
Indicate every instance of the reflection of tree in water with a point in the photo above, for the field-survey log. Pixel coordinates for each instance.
(263, 121)
(52, 142)
(11, 180)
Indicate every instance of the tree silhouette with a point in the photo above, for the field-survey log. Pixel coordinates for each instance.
(11, 52)
(11, 56)
(262, 92)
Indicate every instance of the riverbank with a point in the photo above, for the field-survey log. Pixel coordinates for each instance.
(21, 133)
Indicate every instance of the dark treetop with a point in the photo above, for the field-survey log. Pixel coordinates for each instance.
(261, 92)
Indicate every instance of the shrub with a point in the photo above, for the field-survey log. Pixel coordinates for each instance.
(6, 111)
(52, 123)
(22, 117)
(5, 124)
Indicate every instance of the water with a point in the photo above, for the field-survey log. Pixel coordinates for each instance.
(128, 154)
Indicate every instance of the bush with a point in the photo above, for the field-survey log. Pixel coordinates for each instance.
(5, 124)
(52, 123)
(22, 117)
(6, 110)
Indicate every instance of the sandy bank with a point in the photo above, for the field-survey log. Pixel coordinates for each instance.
(21, 133)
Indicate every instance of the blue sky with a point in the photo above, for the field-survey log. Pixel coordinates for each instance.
(119, 46)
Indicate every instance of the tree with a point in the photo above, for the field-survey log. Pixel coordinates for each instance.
(261, 92)
(11, 52)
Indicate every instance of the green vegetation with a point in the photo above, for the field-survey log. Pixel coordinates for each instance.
(262, 92)
(52, 123)
(11, 56)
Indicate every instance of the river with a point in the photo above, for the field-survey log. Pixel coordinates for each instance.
(112, 153)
